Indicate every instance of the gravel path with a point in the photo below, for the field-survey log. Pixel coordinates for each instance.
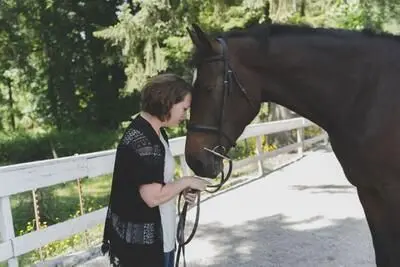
(303, 215)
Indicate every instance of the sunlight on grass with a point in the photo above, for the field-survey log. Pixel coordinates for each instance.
(95, 187)
(98, 187)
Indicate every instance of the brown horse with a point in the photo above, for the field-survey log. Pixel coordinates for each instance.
(347, 82)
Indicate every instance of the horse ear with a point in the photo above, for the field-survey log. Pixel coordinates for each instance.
(267, 8)
(193, 36)
(199, 38)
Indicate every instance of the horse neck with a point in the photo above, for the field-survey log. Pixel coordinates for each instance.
(310, 78)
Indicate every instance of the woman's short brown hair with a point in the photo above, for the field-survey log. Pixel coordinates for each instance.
(161, 92)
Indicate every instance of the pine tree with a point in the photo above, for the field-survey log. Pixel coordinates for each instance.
(139, 36)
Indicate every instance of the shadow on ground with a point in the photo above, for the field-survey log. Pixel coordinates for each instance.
(274, 241)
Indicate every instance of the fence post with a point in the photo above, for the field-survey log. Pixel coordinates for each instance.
(37, 217)
(7, 226)
(300, 138)
(259, 152)
(81, 208)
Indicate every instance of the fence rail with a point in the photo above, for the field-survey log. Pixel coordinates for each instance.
(23, 177)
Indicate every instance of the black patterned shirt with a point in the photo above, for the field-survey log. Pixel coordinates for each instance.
(133, 231)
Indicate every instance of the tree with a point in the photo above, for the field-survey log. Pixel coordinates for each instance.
(73, 77)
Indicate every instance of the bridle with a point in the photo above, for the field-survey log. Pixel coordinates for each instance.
(219, 150)
(229, 77)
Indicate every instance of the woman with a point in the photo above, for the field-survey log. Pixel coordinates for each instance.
(140, 226)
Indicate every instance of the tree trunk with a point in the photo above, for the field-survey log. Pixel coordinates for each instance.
(52, 94)
(11, 104)
(303, 9)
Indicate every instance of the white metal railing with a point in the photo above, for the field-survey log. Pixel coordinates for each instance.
(33, 175)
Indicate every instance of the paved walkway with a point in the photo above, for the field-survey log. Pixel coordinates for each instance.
(303, 215)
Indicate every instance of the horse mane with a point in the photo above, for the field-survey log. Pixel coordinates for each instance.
(262, 33)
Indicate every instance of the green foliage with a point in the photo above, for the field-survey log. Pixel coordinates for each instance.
(247, 148)
(243, 149)
(312, 131)
(21, 147)
(53, 71)
(138, 36)
(67, 64)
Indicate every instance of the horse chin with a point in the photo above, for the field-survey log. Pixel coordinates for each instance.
(213, 168)
(218, 168)
(206, 166)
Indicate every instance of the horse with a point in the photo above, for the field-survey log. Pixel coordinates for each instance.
(345, 81)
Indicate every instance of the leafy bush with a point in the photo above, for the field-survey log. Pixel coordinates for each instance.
(21, 147)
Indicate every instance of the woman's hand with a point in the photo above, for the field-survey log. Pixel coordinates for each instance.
(196, 183)
(190, 197)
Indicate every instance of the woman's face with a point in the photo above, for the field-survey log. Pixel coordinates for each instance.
(178, 111)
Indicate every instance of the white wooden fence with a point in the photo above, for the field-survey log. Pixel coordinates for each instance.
(19, 178)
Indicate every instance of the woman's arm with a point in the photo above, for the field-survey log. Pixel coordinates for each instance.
(155, 194)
